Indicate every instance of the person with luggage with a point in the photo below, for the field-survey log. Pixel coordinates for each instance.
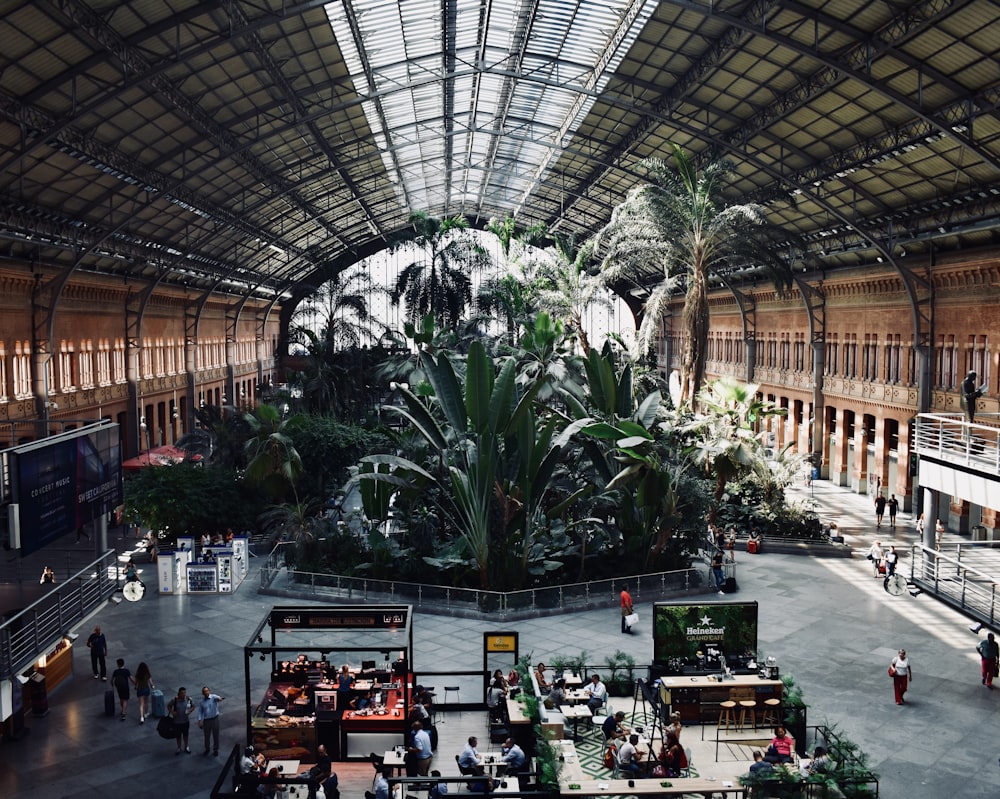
(97, 643)
(120, 679)
(626, 599)
(143, 689)
(180, 708)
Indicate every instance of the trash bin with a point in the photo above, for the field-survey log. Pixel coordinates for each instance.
(39, 696)
(978, 532)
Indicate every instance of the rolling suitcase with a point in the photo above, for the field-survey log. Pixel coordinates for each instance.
(109, 702)
(729, 587)
(157, 703)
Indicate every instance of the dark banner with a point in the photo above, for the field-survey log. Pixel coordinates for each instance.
(682, 630)
(65, 484)
(339, 618)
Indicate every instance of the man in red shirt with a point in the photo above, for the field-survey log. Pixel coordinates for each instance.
(626, 609)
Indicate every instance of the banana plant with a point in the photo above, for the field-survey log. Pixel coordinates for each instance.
(492, 463)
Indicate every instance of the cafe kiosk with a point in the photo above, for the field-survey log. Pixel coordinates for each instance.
(186, 570)
(291, 662)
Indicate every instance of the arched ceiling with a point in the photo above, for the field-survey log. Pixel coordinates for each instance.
(242, 146)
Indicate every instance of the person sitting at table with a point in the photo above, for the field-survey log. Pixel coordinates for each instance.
(673, 758)
(781, 748)
(361, 701)
(270, 789)
(382, 783)
(557, 694)
(543, 684)
(675, 725)
(496, 694)
(438, 789)
(630, 758)
(760, 765)
(597, 693)
(469, 759)
(512, 756)
(820, 763)
(613, 728)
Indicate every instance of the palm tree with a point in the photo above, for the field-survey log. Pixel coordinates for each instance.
(728, 446)
(567, 289)
(440, 282)
(683, 225)
(342, 304)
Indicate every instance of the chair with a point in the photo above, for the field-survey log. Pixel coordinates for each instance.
(686, 772)
(616, 772)
(498, 733)
(772, 713)
(452, 689)
(464, 770)
(746, 698)
(727, 713)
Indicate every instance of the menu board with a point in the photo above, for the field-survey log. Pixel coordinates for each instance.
(202, 579)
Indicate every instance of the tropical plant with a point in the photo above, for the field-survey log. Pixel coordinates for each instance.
(490, 458)
(342, 306)
(727, 445)
(274, 465)
(439, 281)
(566, 289)
(682, 224)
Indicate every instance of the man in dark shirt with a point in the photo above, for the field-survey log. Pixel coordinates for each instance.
(98, 646)
(612, 726)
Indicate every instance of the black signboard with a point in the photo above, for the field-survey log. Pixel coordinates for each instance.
(682, 630)
(338, 619)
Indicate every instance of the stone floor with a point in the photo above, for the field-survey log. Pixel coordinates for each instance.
(827, 621)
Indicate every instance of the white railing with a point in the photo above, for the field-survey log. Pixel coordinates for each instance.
(956, 581)
(952, 438)
(36, 629)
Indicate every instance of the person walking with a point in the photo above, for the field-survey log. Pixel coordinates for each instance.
(208, 719)
(97, 643)
(891, 559)
(143, 688)
(48, 576)
(880, 502)
(988, 651)
(179, 708)
(902, 675)
(626, 609)
(893, 506)
(876, 556)
(120, 679)
(938, 532)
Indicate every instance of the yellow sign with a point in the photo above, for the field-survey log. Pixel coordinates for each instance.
(501, 643)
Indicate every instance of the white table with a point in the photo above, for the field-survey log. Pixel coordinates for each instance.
(574, 713)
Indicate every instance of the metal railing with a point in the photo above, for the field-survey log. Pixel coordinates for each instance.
(956, 582)
(36, 629)
(950, 437)
(276, 579)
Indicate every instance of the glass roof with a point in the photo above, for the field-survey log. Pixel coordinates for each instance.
(454, 126)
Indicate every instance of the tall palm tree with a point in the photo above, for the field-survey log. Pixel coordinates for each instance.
(342, 304)
(440, 281)
(568, 290)
(683, 224)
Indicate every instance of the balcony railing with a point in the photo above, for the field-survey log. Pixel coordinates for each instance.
(951, 577)
(951, 438)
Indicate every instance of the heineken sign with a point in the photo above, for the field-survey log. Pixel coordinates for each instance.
(682, 629)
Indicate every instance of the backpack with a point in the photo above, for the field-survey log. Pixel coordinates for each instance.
(609, 757)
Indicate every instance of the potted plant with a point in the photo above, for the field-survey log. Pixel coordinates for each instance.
(621, 667)
(795, 713)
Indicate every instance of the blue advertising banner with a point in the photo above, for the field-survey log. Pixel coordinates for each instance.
(62, 485)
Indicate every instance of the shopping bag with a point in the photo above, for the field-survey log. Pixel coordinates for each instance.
(632, 618)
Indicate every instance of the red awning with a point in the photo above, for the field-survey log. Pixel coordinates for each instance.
(159, 456)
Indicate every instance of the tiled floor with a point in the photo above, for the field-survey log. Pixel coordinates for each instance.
(827, 621)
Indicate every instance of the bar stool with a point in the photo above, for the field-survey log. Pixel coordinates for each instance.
(452, 689)
(748, 705)
(727, 713)
(772, 712)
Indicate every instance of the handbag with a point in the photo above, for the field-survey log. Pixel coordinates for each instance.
(892, 671)
(165, 727)
(632, 618)
(869, 556)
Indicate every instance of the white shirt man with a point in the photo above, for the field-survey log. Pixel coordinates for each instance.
(597, 693)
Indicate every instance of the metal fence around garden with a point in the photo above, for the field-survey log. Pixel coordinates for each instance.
(277, 579)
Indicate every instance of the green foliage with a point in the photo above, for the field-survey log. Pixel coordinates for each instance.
(190, 500)
(621, 667)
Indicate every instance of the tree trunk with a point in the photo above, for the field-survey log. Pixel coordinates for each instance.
(696, 328)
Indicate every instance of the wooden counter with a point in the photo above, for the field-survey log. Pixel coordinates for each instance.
(697, 698)
(515, 713)
(678, 786)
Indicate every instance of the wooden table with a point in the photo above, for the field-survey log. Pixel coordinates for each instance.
(571, 770)
(515, 712)
(491, 762)
(576, 695)
(571, 680)
(574, 713)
